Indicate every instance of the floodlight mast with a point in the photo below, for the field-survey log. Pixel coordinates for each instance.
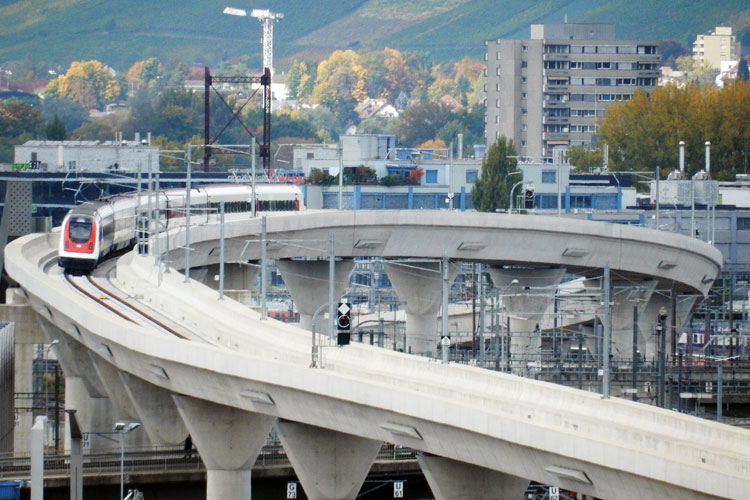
(266, 17)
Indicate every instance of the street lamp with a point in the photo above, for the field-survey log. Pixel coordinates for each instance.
(123, 428)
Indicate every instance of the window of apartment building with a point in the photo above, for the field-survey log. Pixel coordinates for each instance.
(604, 81)
(647, 66)
(555, 64)
(583, 97)
(485, 87)
(497, 56)
(743, 223)
(556, 128)
(525, 48)
(485, 72)
(626, 49)
(576, 65)
(576, 49)
(549, 176)
(589, 129)
(523, 79)
(646, 82)
(524, 127)
(497, 103)
(589, 49)
(614, 97)
(626, 65)
(647, 49)
(556, 49)
(626, 81)
(523, 143)
(430, 177)
(557, 112)
(556, 97)
(497, 119)
(583, 112)
(583, 81)
(497, 71)
(523, 111)
(607, 49)
(604, 65)
(523, 95)
(471, 176)
(524, 64)
(497, 87)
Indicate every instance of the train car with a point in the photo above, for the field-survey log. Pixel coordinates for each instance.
(96, 229)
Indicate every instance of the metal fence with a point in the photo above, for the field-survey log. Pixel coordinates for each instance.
(159, 459)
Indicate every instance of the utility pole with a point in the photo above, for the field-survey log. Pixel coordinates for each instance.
(606, 283)
(661, 331)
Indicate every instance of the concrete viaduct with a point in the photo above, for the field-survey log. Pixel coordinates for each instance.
(483, 434)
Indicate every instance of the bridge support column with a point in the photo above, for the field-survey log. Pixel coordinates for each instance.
(84, 390)
(238, 279)
(122, 406)
(156, 410)
(419, 286)
(330, 465)
(452, 480)
(229, 440)
(626, 296)
(648, 318)
(527, 302)
(307, 281)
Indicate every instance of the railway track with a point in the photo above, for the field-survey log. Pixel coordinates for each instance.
(125, 304)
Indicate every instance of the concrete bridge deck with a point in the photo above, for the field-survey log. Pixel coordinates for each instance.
(486, 431)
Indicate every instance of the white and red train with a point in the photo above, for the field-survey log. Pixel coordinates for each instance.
(95, 229)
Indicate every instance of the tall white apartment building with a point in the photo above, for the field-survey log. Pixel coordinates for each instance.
(548, 91)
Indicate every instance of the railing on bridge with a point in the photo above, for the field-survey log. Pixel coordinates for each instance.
(159, 459)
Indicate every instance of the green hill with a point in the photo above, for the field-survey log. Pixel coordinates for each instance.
(119, 32)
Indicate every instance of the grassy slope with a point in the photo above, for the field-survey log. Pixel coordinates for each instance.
(121, 31)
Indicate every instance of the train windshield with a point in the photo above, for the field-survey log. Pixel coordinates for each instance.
(79, 229)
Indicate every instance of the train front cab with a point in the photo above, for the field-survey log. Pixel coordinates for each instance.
(79, 248)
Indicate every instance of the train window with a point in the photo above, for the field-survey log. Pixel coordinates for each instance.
(79, 230)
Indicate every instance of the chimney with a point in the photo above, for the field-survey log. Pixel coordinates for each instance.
(708, 158)
(682, 157)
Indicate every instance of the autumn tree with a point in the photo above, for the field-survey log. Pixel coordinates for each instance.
(643, 133)
(147, 72)
(299, 81)
(88, 83)
(18, 118)
(340, 84)
(490, 191)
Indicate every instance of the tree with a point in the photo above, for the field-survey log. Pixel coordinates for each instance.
(421, 122)
(490, 191)
(18, 118)
(299, 81)
(340, 84)
(583, 158)
(55, 130)
(88, 83)
(68, 111)
(742, 70)
(643, 133)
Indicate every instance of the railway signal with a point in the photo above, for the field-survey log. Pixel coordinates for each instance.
(343, 322)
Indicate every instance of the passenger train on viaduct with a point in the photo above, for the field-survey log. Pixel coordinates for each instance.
(95, 229)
